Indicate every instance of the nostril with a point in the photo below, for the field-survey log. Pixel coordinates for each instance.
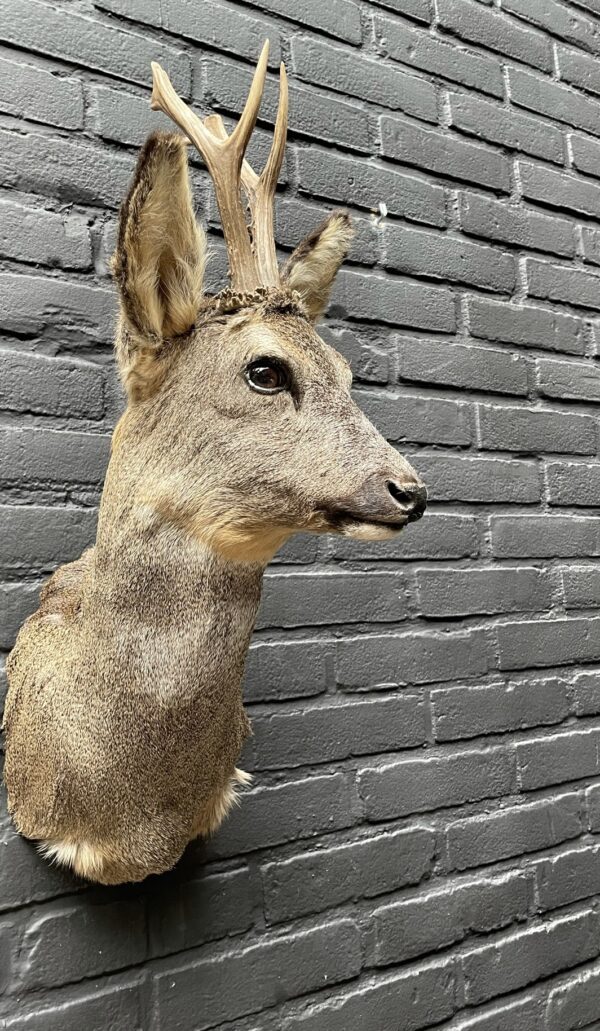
(413, 499)
(403, 495)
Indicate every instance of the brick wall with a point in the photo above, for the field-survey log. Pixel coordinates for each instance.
(422, 843)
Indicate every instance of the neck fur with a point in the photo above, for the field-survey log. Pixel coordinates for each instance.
(178, 615)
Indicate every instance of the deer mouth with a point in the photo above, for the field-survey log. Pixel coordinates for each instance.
(349, 524)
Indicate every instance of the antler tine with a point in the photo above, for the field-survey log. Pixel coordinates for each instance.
(262, 206)
(164, 98)
(240, 136)
(223, 159)
(260, 190)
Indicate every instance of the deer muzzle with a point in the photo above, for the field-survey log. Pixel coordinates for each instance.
(383, 500)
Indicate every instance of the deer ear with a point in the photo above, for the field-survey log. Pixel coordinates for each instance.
(159, 261)
(313, 266)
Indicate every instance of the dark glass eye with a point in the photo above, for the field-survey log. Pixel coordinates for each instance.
(267, 376)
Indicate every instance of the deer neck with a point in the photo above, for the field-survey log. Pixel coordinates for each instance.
(185, 613)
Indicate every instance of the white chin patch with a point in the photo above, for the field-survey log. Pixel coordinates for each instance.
(369, 531)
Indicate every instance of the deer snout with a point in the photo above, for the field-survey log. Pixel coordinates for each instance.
(383, 499)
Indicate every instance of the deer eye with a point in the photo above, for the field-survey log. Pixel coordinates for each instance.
(267, 376)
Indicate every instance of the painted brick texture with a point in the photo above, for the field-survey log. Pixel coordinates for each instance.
(421, 844)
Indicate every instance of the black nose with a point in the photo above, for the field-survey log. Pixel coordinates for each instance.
(411, 497)
(383, 500)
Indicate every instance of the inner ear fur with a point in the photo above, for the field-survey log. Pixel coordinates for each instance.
(312, 267)
(160, 256)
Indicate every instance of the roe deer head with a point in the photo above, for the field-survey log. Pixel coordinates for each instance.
(124, 718)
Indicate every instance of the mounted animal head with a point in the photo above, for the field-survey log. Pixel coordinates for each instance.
(240, 427)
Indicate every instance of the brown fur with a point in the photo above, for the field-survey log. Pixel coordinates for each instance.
(124, 719)
(312, 267)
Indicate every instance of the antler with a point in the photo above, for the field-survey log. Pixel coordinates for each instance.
(252, 262)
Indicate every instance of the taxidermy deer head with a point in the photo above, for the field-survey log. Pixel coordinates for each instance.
(124, 718)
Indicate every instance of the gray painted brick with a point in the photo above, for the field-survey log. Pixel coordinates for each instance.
(108, 949)
(340, 18)
(324, 174)
(120, 1004)
(520, 429)
(585, 153)
(570, 1003)
(558, 20)
(441, 256)
(369, 362)
(560, 283)
(33, 455)
(590, 239)
(287, 812)
(572, 381)
(464, 712)
(558, 758)
(431, 54)
(40, 538)
(393, 300)
(213, 23)
(559, 189)
(525, 325)
(38, 95)
(417, 9)
(264, 973)
(480, 480)
(420, 785)
(510, 223)
(338, 730)
(23, 879)
(529, 955)
(589, 5)
(35, 235)
(573, 483)
(545, 536)
(568, 877)
(423, 420)
(466, 592)
(375, 81)
(31, 304)
(286, 669)
(498, 124)
(585, 691)
(490, 837)
(313, 881)
(198, 909)
(522, 1015)
(592, 806)
(439, 918)
(456, 365)
(540, 643)
(91, 43)
(410, 658)
(63, 170)
(492, 29)
(445, 154)
(578, 69)
(310, 598)
(19, 600)
(311, 114)
(436, 536)
(553, 100)
(117, 114)
(423, 994)
(581, 586)
(51, 386)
